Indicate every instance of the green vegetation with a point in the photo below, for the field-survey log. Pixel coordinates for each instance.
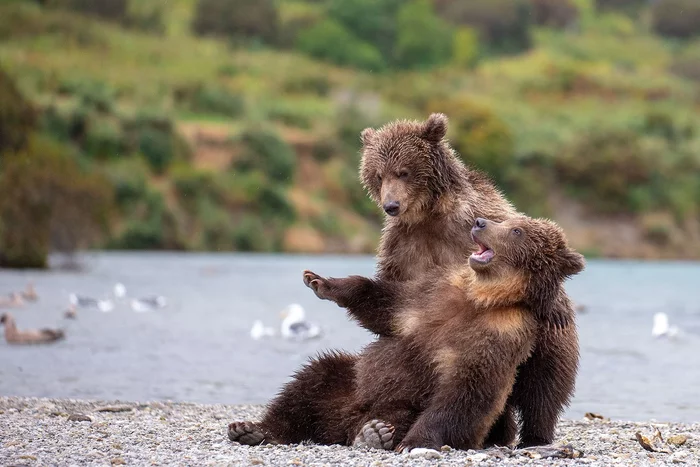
(193, 126)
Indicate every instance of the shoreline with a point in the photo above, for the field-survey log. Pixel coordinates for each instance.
(40, 431)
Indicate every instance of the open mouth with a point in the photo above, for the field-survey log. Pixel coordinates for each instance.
(484, 254)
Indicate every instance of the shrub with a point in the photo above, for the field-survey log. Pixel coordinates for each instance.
(274, 205)
(238, 19)
(329, 40)
(465, 48)
(65, 124)
(17, 118)
(91, 94)
(218, 101)
(114, 10)
(145, 16)
(554, 13)
(103, 139)
(249, 234)
(128, 180)
(610, 170)
(49, 202)
(676, 18)
(481, 138)
(157, 147)
(154, 228)
(267, 152)
(371, 21)
(432, 46)
(503, 25)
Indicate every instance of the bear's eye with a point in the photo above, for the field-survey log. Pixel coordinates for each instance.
(517, 231)
(403, 175)
(379, 177)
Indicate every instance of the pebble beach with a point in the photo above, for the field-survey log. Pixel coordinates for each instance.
(58, 432)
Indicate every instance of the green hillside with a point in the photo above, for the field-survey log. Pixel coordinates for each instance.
(234, 124)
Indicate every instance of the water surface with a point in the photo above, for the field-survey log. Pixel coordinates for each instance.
(198, 348)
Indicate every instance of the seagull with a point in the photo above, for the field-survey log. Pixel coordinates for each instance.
(143, 305)
(33, 336)
(258, 331)
(294, 326)
(119, 290)
(661, 326)
(104, 306)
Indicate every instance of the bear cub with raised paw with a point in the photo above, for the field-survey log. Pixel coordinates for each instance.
(455, 339)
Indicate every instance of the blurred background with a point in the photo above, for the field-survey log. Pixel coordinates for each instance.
(233, 126)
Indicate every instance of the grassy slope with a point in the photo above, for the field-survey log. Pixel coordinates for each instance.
(619, 76)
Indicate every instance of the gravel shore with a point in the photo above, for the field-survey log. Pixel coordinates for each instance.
(42, 432)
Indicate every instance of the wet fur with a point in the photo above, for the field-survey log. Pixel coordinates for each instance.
(445, 198)
(441, 379)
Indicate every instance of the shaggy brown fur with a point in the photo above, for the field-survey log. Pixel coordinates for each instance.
(444, 375)
(411, 163)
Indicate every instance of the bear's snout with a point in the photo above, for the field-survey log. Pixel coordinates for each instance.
(392, 208)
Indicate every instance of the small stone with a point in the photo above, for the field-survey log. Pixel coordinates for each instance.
(677, 440)
(114, 408)
(118, 461)
(425, 453)
(445, 448)
(78, 417)
(256, 461)
(679, 457)
(28, 457)
(478, 457)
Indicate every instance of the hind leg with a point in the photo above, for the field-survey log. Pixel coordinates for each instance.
(311, 407)
(545, 384)
(504, 431)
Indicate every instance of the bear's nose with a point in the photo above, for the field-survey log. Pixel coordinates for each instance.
(392, 208)
(480, 223)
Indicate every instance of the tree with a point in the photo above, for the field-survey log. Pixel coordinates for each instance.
(432, 46)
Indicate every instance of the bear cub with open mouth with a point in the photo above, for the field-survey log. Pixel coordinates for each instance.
(455, 339)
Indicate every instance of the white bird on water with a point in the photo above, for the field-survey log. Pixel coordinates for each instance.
(294, 325)
(661, 326)
(78, 301)
(119, 290)
(146, 304)
(259, 330)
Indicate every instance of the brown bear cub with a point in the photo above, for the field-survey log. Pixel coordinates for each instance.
(429, 196)
(455, 339)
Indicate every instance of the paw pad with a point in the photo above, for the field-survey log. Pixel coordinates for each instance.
(375, 434)
(247, 433)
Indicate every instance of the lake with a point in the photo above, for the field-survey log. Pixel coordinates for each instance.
(198, 347)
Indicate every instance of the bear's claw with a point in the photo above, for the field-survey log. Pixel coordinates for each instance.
(375, 434)
(248, 433)
(316, 283)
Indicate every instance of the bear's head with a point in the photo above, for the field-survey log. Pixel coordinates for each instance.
(533, 250)
(407, 165)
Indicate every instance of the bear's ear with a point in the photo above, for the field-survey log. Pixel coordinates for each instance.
(434, 128)
(571, 262)
(367, 135)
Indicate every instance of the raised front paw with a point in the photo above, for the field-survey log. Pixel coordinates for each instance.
(318, 284)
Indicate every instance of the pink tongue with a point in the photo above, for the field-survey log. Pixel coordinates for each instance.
(484, 255)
